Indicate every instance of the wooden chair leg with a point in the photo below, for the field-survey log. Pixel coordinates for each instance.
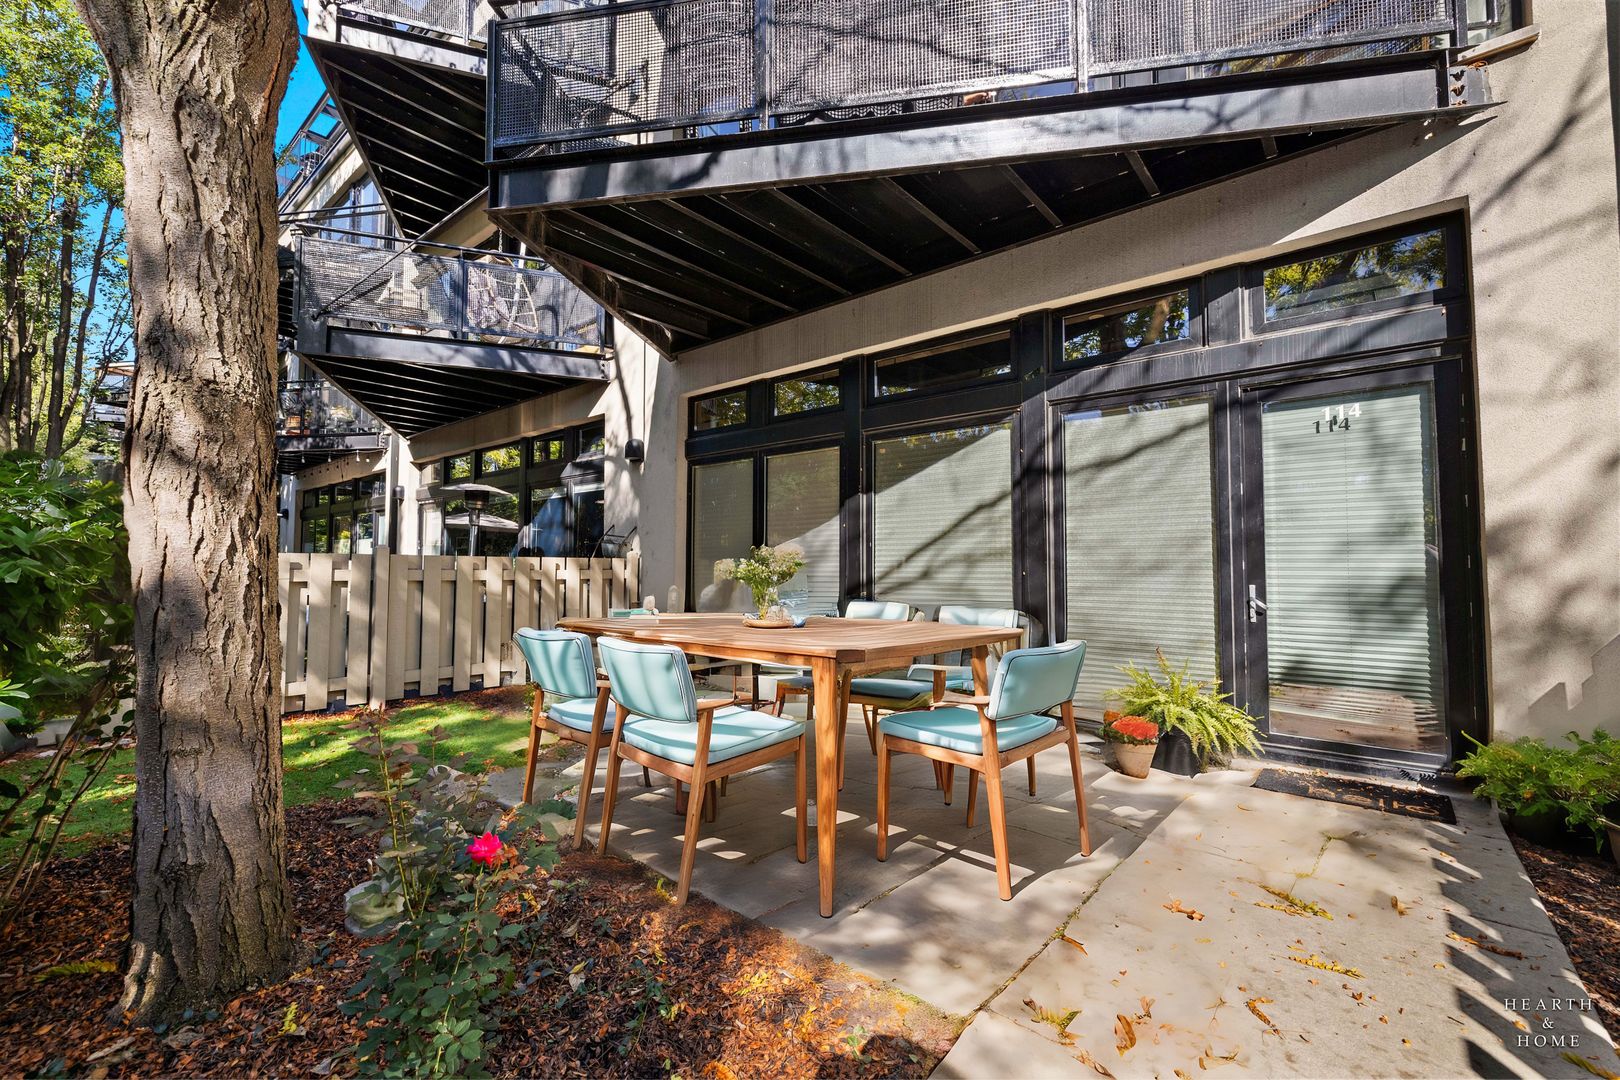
(593, 749)
(973, 795)
(950, 780)
(1079, 789)
(870, 716)
(694, 819)
(1031, 760)
(801, 824)
(609, 796)
(998, 825)
(781, 697)
(534, 756)
(711, 801)
(646, 777)
(681, 798)
(883, 799)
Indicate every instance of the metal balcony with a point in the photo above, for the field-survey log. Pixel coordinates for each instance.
(304, 154)
(423, 334)
(715, 165)
(316, 422)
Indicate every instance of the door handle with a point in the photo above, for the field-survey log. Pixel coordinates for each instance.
(1257, 606)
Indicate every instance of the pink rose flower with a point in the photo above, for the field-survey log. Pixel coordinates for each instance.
(486, 849)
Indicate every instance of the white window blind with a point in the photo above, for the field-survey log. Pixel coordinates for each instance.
(801, 507)
(1139, 533)
(722, 520)
(942, 524)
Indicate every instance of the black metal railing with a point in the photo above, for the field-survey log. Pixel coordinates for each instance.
(607, 71)
(314, 407)
(387, 283)
(304, 153)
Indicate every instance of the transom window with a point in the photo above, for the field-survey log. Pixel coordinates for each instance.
(940, 368)
(1356, 277)
(805, 393)
(1120, 331)
(720, 411)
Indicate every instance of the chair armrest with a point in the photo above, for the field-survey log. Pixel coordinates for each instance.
(956, 698)
(603, 684)
(958, 668)
(711, 704)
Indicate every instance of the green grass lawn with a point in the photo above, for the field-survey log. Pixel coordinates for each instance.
(490, 729)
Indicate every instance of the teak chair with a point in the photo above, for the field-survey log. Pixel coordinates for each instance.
(957, 678)
(560, 663)
(986, 734)
(661, 724)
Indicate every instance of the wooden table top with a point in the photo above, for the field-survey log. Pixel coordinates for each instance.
(845, 641)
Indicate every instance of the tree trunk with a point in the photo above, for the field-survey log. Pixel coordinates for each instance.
(55, 416)
(198, 88)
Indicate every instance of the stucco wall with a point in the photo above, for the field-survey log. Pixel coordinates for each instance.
(1535, 178)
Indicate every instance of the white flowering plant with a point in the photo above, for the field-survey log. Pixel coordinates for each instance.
(764, 571)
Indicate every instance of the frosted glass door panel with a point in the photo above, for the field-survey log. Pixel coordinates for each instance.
(722, 528)
(1139, 536)
(1354, 651)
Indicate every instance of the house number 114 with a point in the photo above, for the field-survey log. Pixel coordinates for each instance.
(1337, 418)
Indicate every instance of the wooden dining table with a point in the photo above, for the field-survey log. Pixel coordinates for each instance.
(833, 649)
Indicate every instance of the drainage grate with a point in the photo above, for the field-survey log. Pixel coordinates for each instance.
(1366, 794)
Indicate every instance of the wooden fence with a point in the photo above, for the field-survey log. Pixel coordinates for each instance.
(370, 629)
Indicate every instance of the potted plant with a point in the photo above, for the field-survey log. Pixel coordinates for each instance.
(764, 571)
(1196, 722)
(1546, 793)
(1134, 740)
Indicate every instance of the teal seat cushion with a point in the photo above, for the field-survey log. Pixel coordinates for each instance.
(962, 684)
(577, 713)
(900, 690)
(957, 728)
(737, 731)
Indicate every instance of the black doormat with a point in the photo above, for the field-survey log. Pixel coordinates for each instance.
(1427, 805)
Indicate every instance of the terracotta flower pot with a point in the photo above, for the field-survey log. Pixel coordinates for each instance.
(1134, 760)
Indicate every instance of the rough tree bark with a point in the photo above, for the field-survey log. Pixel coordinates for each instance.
(198, 86)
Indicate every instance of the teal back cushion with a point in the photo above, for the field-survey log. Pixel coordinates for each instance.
(559, 660)
(650, 680)
(1034, 680)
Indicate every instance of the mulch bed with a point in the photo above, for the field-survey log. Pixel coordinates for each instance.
(1582, 895)
(751, 1002)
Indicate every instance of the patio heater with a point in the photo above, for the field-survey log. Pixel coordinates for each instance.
(477, 497)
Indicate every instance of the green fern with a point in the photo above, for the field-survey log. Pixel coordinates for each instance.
(1173, 699)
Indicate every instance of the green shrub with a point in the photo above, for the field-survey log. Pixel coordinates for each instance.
(1528, 777)
(448, 868)
(1176, 701)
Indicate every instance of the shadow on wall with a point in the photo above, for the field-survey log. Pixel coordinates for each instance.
(1552, 713)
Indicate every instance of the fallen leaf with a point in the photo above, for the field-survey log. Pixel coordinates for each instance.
(1487, 946)
(1076, 944)
(1253, 1005)
(1124, 1033)
(1589, 1065)
(1176, 907)
(1147, 1009)
(1085, 1058)
(1325, 965)
(111, 1049)
(1395, 902)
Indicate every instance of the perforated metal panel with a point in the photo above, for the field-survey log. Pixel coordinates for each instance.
(1132, 35)
(452, 17)
(830, 53)
(631, 67)
(416, 290)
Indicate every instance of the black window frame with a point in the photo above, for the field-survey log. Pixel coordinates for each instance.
(732, 391)
(826, 374)
(1254, 279)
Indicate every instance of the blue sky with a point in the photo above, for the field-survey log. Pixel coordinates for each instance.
(304, 89)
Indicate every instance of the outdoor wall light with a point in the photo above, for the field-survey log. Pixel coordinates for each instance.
(635, 450)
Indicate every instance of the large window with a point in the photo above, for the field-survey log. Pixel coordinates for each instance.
(1139, 533)
(942, 517)
(338, 519)
(801, 507)
(722, 503)
(551, 503)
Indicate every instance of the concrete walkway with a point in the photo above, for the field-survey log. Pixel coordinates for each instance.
(1164, 952)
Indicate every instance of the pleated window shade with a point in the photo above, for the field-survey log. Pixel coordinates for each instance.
(722, 518)
(801, 507)
(1353, 585)
(942, 528)
(1139, 531)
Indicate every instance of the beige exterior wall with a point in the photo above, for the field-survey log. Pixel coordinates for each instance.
(1535, 179)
